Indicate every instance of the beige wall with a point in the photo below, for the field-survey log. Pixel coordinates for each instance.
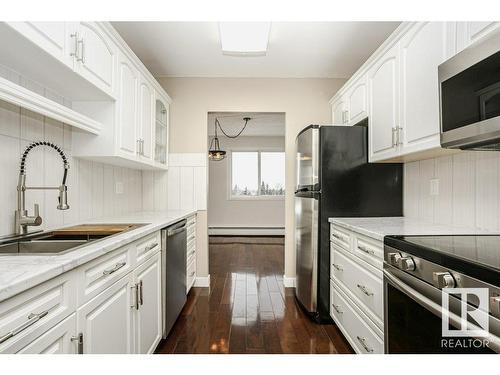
(304, 101)
(224, 212)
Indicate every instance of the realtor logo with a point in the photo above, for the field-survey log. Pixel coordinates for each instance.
(473, 321)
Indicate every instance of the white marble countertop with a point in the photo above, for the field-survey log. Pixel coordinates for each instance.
(378, 227)
(21, 272)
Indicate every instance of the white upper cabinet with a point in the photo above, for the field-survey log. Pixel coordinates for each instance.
(53, 37)
(127, 107)
(471, 31)
(338, 112)
(146, 119)
(383, 82)
(95, 56)
(400, 93)
(423, 48)
(356, 102)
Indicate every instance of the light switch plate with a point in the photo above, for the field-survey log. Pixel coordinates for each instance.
(434, 186)
(119, 187)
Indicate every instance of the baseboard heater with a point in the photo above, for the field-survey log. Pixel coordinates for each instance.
(246, 231)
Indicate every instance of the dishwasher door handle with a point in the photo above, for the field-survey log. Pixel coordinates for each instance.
(173, 232)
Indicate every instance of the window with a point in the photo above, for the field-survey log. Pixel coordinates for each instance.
(257, 174)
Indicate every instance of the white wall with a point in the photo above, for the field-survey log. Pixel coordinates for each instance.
(304, 101)
(223, 212)
(91, 186)
(469, 190)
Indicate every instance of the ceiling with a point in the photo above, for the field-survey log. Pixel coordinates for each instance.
(271, 124)
(296, 49)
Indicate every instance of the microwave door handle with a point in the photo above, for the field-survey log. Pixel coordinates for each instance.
(433, 307)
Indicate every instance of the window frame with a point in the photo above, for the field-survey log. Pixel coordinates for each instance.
(232, 197)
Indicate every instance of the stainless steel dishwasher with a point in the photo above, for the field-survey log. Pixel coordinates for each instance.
(173, 257)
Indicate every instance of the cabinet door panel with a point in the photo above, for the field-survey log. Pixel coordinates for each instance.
(338, 108)
(106, 321)
(56, 341)
(53, 37)
(422, 50)
(357, 102)
(127, 107)
(98, 55)
(384, 109)
(146, 108)
(149, 320)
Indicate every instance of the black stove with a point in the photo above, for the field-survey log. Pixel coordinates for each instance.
(475, 255)
(448, 284)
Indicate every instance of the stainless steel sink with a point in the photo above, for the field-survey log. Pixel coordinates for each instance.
(37, 247)
(50, 243)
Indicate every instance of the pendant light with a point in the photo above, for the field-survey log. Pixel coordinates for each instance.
(214, 151)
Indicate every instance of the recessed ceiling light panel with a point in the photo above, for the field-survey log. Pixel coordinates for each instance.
(244, 38)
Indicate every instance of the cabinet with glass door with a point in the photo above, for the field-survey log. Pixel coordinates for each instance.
(161, 131)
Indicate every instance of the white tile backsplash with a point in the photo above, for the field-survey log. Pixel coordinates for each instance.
(469, 190)
(91, 191)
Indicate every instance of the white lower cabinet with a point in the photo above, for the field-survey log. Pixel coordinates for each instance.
(62, 339)
(356, 290)
(106, 322)
(111, 304)
(148, 319)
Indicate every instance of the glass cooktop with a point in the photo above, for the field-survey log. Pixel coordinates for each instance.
(476, 255)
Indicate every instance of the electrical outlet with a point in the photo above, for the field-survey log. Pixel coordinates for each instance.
(119, 187)
(434, 186)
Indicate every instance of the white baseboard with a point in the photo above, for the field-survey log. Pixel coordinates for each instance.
(246, 231)
(202, 282)
(288, 282)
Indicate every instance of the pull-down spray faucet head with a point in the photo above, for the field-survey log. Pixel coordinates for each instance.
(23, 220)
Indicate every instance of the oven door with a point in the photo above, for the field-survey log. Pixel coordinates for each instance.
(413, 321)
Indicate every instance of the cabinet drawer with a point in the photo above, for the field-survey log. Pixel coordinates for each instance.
(365, 285)
(28, 315)
(58, 340)
(369, 250)
(191, 243)
(190, 275)
(191, 254)
(99, 274)
(340, 237)
(353, 324)
(145, 247)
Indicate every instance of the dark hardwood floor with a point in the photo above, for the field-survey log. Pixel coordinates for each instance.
(247, 309)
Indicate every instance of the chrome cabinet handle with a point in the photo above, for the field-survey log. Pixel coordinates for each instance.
(138, 147)
(79, 342)
(337, 236)
(151, 246)
(80, 57)
(191, 253)
(400, 131)
(394, 142)
(114, 269)
(337, 309)
(75, 50)
(362, 341)
(365, 290)
(192, 273)
(365, 250)
(337, 267)
(141, 297)
(136, 292)
(32, 319)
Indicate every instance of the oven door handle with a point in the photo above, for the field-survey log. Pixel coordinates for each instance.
(433, 307)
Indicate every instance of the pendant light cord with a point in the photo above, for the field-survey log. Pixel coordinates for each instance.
(217, 123)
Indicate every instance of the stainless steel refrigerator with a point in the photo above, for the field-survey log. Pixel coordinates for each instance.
(334, 179)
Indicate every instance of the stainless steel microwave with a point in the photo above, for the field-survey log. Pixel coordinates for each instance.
(469, 85)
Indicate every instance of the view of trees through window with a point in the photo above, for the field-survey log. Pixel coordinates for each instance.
(258, 173)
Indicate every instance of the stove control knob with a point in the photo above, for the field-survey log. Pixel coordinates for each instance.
(443, 280)
(406, 264)
(393, 258)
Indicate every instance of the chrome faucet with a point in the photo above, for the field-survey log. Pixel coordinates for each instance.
(23, 220)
